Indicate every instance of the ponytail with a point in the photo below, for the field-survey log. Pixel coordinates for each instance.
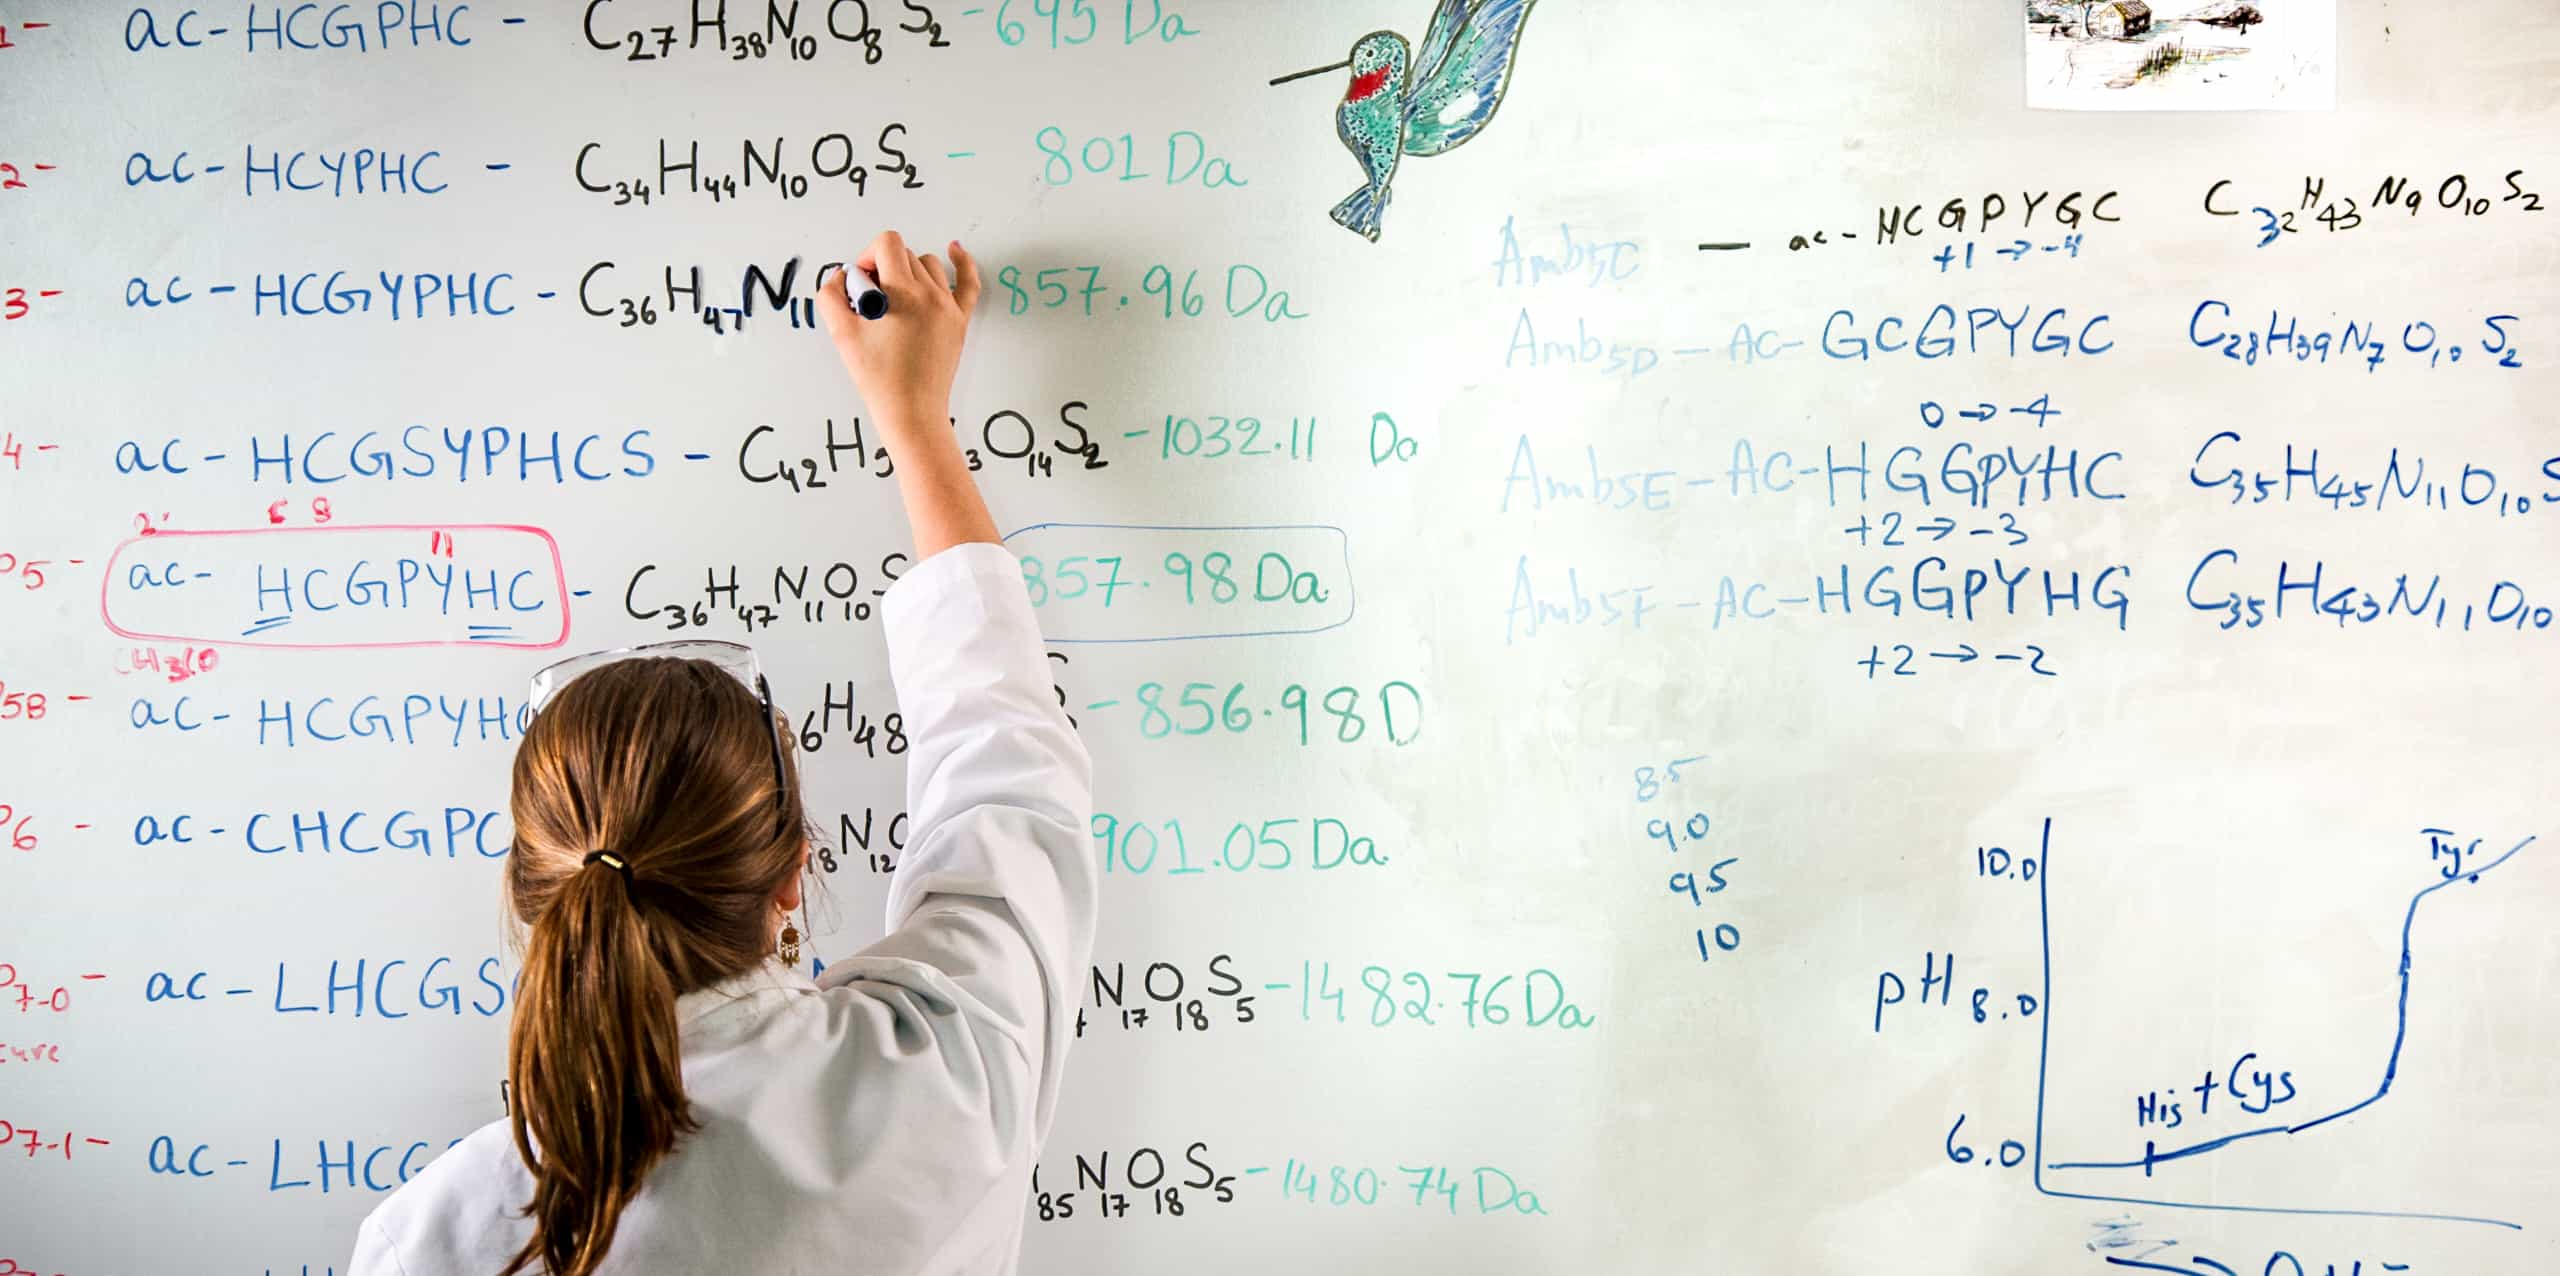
(595, 1068)
(668, 762)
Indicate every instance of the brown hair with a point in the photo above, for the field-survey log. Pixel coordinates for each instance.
(669, 764)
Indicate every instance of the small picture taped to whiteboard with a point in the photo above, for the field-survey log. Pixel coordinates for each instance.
(1402, 101)
(2182, 55)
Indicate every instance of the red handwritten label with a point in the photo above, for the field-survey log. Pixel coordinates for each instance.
(177, 664)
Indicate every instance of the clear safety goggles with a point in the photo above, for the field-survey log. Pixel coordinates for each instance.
(735, 659)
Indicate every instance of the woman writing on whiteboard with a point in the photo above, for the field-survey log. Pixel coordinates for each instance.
(684, 1100)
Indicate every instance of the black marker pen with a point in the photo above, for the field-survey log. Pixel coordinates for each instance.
(872, 303)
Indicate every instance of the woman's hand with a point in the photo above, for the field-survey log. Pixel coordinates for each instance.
(903, 362)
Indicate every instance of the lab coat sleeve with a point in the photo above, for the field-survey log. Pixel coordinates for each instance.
(997, 887)
(374, 1255)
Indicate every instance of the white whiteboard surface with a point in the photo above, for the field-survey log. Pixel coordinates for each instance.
(1487, 466)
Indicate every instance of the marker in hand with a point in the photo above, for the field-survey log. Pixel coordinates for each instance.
(871, 303)
(883, 268)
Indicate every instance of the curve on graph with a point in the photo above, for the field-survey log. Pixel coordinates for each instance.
(2044, 1059)
(2390, 1068)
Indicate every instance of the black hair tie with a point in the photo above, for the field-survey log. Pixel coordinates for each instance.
(612, 861)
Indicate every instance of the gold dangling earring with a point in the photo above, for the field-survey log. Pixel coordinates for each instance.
(790, 940)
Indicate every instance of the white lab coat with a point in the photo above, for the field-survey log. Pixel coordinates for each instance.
(885, 1117)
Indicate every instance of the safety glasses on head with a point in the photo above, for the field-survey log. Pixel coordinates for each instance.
(735, 659)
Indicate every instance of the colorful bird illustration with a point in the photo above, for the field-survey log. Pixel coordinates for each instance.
(1407, 102)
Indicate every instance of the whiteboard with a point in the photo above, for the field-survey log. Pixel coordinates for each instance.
(1805, 727)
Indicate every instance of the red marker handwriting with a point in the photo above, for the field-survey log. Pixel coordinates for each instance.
(28, 998)
(320, 513)
(35, 1141)
(29, 706)
(177, 664)
(14, 449)
(14, 827)
(29, 572)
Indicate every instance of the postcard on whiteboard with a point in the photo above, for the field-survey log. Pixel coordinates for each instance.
(2182, 55)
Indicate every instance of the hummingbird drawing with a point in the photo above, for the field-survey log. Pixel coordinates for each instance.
(1402, 101)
